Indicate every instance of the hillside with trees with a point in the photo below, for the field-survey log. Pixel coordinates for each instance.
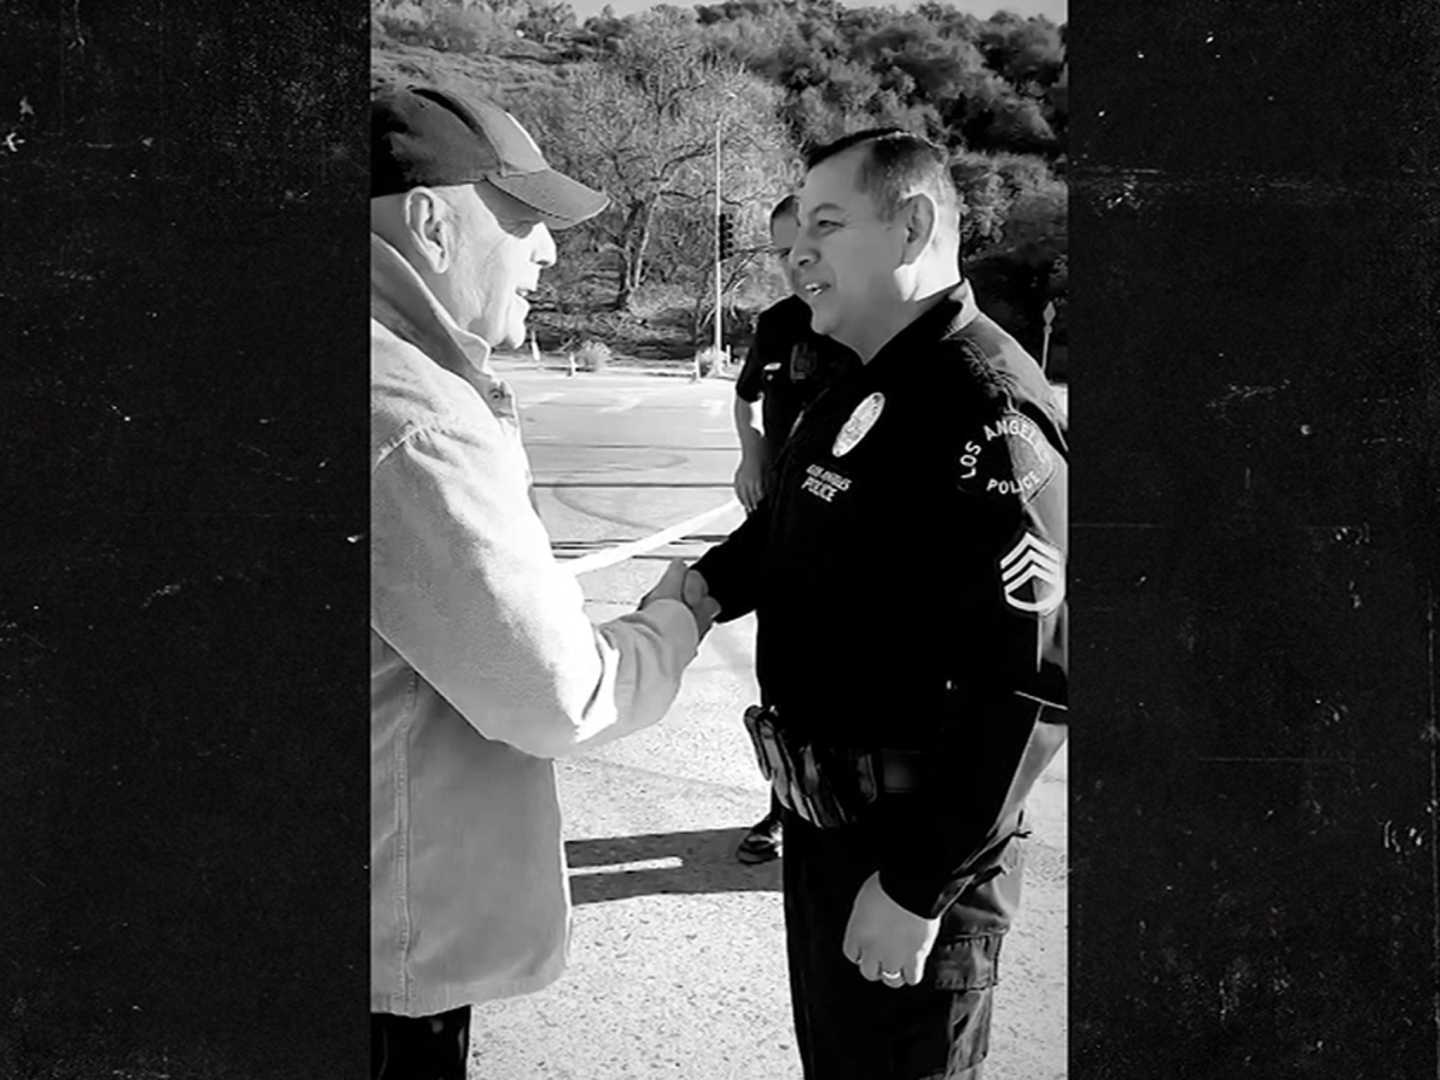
(632, 105)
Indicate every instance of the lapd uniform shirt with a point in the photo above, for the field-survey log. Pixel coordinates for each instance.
(907, 571)
(787, 366)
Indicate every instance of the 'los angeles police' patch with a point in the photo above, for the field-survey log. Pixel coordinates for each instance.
(859, 424)
(1007, 456)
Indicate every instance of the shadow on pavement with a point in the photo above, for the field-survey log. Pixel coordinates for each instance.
(706, 864)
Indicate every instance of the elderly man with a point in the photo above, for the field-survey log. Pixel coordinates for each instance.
(906, 710)
(483, 664)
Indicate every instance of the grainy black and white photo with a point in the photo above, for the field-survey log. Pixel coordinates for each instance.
(719, 539)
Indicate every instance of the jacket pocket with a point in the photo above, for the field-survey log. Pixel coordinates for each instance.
(968, 963)
(968, 969)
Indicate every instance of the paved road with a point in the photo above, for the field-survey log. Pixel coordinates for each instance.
(677, 966)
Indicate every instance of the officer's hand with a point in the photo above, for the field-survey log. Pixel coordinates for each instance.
(696, 593)
(672, 586)
(696, 587)
(750, 482)
(882, 936)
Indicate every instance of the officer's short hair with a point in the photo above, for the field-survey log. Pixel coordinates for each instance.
(789, 206)
(896, 163)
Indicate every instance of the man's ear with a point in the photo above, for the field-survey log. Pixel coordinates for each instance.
(427, 220)
(919, 215)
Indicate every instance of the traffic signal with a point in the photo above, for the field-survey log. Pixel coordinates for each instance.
(727, 236)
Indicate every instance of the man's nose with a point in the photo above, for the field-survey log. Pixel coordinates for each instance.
(544, 246)
(801, 256)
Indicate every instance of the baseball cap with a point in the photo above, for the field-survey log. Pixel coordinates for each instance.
(424, 136)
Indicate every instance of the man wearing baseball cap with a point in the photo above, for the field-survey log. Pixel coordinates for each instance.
(484, 666)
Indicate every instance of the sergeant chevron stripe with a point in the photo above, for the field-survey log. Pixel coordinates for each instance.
(1041, 566)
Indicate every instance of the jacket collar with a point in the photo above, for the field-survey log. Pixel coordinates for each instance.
(402, 302)
(948, 316)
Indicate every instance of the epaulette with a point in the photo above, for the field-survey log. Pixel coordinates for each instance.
(975, 376)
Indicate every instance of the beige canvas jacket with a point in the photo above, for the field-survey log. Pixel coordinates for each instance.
(483, 668)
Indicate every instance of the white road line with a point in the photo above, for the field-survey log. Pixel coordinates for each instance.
(597, 560)
(668, 862)
(537, 399)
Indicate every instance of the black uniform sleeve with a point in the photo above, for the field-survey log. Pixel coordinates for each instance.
(749, 384)
(732, 568)
(1008, 717)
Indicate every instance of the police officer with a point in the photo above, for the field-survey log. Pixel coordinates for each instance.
(787, 365)
(907, 572)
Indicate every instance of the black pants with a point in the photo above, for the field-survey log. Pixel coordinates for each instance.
(776, 811)
(420, 1047)
(851, 1029)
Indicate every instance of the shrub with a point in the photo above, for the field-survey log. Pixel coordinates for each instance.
(592, 356)
(655, 300)
(445, 27)
(710, 361)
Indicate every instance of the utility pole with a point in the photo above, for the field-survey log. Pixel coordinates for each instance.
(718, 340)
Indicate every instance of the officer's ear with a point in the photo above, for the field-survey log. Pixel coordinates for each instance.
(918, 215)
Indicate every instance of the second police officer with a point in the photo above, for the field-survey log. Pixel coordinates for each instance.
(907, 570)
(786, 367)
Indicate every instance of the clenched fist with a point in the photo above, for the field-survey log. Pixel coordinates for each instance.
(885, 941)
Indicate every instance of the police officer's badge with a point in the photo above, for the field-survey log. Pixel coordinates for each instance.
(859, 424)
(1032, 575)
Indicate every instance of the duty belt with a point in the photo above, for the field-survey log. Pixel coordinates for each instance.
(828, 786)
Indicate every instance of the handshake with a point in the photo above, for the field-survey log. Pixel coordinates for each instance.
(688, 586)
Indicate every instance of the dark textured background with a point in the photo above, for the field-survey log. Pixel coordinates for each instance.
(1256, 544)
(183, 808)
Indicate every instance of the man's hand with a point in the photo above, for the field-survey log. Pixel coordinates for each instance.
(750, 481)
(884, 940)
(697, 589)
(696, 593)
(671, 585)
(675, 584)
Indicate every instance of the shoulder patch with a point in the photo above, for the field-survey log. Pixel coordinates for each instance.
(1009, 456)
(1032, 575)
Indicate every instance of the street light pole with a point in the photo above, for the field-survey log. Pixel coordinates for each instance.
(1049, 315)
(718, 117)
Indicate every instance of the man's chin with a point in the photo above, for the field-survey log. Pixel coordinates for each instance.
(824, 321)
(503, 332)
(512, 337)
(831, 325)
